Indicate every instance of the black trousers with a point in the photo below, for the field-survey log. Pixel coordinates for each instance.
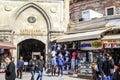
(53, 70)
(19, 71)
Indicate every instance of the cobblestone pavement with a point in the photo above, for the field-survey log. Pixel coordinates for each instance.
(27, 76)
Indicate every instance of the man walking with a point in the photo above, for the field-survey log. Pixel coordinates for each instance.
(10, 70)
(40, 66)
(20, 67)
(33, 63)
(106, 69)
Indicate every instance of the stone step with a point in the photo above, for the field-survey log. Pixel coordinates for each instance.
(84, 76)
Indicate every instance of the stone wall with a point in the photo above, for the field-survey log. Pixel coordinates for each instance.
(56, 10)
(51, 16)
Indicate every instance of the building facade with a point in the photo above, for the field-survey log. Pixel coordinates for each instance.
(32, 24)
(94, 28)
(105, 7)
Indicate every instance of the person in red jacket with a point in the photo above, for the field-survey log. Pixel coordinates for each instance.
(73, 60)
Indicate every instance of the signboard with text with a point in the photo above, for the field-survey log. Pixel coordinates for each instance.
(32, 32)
(112, 44)
(91, 45)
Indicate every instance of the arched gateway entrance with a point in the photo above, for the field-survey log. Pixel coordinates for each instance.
(30, 47)
(31, 25)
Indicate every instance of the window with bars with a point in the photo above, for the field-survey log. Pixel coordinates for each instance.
(110, 10)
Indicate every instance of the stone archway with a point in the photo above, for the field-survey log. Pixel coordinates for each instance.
(27, 47)
(22, 27)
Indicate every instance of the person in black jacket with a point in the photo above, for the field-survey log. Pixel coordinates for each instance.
(116, 75)
(100, 60)
(10, 70)
(108, 64)
(33, 63)
(40, 66)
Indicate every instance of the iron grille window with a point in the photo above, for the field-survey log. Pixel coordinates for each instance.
(110, 11)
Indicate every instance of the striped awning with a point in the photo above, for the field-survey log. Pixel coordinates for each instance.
(7, 45)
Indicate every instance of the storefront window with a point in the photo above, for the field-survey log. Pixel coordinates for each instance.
(3, 53)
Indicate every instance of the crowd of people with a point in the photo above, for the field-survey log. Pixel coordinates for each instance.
(105, 68)
(62, 59)
(35, 66)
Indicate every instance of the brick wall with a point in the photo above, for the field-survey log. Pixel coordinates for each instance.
(76, 8)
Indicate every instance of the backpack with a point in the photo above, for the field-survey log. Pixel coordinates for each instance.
(60, 61)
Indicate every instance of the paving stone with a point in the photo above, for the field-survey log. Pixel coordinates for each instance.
(27, 76)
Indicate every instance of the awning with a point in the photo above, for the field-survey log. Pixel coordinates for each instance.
(81, 36)
(7, 45)
(111, 37)
(114, 24)
(53, 39)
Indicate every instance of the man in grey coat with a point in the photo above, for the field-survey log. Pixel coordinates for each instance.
(40, 66)
(33, 63)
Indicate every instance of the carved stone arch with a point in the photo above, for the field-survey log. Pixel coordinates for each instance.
(26, 48)
(17, 14)
(38, 8)
(23, 39)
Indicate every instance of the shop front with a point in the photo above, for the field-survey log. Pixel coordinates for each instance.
(88, 53)
(111, 42)
(88, 45)
(113, 47)
(5, 51)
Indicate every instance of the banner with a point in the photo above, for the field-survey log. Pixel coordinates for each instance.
(91, 45)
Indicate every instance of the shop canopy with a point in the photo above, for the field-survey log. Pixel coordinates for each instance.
(114, 24)
(81, 36)
(111, 37)
(7, 45)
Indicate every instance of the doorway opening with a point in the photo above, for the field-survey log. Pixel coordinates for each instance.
(31, 47)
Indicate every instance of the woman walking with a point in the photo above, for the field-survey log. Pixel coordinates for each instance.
(54, 65)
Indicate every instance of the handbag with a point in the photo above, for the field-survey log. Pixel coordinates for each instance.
(48, 71)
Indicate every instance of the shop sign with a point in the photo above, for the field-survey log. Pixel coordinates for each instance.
(88, 45)
(112, 44)
(32, 32)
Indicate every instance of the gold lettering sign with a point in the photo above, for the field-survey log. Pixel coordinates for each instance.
(32, 32)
